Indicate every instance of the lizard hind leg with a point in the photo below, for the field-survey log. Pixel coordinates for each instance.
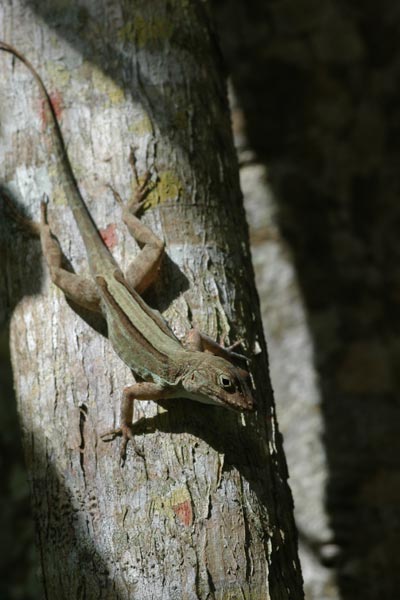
(143, 270)
(81, 290)
(78, 289)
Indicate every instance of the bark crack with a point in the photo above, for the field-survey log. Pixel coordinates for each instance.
(82, 420)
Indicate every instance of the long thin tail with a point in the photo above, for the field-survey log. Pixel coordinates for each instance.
(96, 250)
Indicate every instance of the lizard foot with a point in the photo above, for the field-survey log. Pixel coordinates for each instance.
(127, 435)
(236, 355)
(196, 340)
(142, 189)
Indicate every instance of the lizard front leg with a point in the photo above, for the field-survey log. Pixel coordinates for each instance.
(143, 270)
(138, 391)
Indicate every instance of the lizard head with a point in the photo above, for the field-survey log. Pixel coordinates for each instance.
(216, 381)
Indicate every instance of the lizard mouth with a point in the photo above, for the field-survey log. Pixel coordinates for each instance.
(243, 406)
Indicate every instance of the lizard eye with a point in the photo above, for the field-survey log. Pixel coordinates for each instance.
(226, 382)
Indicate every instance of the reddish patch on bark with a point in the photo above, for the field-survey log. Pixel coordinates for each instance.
(184, 512)
(56, 102)
(109, 235)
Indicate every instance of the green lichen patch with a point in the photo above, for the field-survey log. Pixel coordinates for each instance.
(145, 32)
(168, 187)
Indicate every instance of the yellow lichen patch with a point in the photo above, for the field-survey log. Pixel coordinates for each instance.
(58, 74)
(179, 495)
(104, 84)
(168, 187)
(145, 32)
(176, 504)
(141, 127)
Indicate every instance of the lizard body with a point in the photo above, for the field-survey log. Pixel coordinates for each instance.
(202, 370)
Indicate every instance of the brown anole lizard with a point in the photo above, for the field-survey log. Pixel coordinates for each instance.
(201, 369)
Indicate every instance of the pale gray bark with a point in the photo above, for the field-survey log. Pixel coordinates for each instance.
(207, 513)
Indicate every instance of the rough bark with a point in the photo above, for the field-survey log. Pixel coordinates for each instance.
(207, 513)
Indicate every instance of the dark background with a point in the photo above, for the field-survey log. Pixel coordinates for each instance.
(318, 84)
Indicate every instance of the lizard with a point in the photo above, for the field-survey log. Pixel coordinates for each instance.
(198, 369)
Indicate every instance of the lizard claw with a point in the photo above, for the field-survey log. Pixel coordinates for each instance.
(234, 345)
(127, 435)
(134, 207)
(43, 209)
(113, 433)
(143, 188)
(116, 195)
(236, 355)
(139, 197)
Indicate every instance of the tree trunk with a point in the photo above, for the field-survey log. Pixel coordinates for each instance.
(207, 512)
